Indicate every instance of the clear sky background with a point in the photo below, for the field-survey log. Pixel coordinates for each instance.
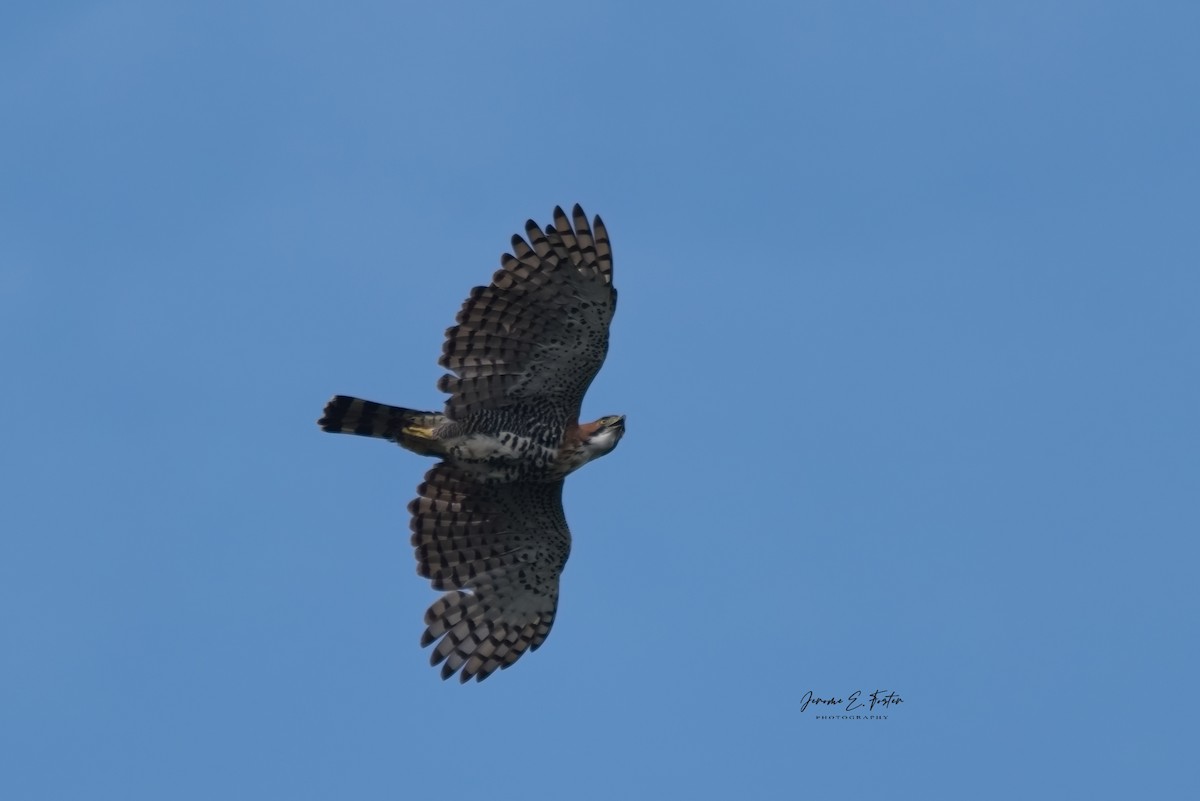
(908, 343)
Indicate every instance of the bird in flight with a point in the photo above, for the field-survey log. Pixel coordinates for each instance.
(487, 524)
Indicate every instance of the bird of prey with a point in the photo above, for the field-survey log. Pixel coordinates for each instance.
(487, 523)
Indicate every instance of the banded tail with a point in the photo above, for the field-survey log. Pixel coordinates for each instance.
(410, 428)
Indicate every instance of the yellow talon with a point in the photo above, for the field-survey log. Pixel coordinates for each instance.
(418, 432)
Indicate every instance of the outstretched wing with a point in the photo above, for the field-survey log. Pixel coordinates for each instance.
(499, 550)
(539, 331)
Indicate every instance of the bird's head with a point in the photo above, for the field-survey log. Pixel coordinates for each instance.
(604, 434)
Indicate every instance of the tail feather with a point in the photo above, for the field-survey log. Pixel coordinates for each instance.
(347, 415)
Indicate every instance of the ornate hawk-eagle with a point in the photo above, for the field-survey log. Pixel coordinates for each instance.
(487, 523)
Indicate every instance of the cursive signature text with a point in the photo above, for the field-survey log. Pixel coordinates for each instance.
(881, 698)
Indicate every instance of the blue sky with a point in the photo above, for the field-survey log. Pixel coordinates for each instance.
(908, 345)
